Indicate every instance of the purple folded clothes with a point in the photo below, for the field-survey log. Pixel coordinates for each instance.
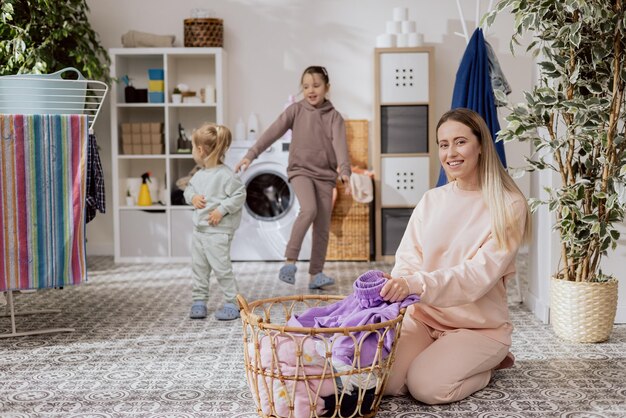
(364, 306)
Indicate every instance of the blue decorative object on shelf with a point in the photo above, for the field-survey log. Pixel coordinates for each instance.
(156, 74)
(156, 97)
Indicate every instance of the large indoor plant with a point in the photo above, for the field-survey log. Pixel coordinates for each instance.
(575, 119)
(43, 36)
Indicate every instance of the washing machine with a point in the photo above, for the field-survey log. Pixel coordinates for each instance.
(271, 206)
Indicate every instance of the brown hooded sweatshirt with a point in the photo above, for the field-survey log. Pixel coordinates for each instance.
(318, 141)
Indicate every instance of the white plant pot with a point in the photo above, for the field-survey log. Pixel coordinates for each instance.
(177, 98)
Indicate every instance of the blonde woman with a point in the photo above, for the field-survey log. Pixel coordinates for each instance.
(457, 253)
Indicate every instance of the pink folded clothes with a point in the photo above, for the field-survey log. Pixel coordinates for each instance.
(297, 356)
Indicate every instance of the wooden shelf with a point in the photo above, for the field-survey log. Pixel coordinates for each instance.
(403, 77)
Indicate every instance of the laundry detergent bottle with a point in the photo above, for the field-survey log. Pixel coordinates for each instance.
(144, 198)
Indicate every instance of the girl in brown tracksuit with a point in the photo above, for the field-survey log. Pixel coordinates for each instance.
(317, 152)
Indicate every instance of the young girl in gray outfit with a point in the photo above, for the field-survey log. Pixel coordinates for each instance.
(218, 195)
(317, 152)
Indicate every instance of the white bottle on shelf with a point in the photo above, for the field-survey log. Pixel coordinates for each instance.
(240, 130)
(290, 100)
(253, 127)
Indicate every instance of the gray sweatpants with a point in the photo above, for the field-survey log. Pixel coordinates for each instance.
(316, 207)
(211, 252)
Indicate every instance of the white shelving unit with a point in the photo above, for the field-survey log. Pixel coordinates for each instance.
(404, 151)
(161, 232)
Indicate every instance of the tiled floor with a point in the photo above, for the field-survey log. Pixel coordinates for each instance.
(135, 353)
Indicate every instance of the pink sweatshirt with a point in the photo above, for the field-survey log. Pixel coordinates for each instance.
(318, 141)
(447, 250)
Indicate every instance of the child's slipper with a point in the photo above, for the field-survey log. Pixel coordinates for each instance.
(228, 312)
(198, 310)
(287, 273)
(320, 280)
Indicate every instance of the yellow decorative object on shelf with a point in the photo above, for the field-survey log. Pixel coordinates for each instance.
(156, 85)
(144, 198)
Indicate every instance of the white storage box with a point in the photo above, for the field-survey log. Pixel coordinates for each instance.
(404, 180)
(404, 78)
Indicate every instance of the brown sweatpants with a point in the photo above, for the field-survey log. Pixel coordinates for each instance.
(438, 367)
(316, 206)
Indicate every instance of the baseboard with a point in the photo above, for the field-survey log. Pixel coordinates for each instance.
(538, 308)
(620, 314)
(96, 248)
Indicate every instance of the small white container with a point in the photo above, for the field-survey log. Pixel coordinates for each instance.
(240, 130)
(400, 13)
(177, 98)
(416, 39)
(403, 40)
(408, 26)
(253, 127)
(209, 94)
(386, 40)
(394, 26)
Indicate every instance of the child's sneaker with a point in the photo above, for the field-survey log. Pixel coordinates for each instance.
(198, 310)
(228, 312)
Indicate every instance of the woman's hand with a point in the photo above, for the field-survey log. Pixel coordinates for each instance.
(395, 290)
(242, 165)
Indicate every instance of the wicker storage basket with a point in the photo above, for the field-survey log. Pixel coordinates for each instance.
(583, 312)
(291, 372)
(350, 222)
(204, 32)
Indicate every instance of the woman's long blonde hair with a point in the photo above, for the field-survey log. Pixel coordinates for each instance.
(214, 140)
(497, 186)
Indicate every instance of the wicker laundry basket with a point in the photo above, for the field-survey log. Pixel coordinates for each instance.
(349, 237)
(204, 32)
(294, 372)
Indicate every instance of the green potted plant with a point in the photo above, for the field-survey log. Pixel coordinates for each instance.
(41, 37)
(575, 119)
(177, 95)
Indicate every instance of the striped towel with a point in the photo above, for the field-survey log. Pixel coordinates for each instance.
(42, 200)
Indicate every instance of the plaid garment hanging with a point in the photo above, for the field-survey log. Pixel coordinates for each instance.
(42, 200)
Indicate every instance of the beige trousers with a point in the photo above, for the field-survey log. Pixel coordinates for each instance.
(438, 367)
(316, 207)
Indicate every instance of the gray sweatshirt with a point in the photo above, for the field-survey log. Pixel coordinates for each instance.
(223, 190)
(318, 141)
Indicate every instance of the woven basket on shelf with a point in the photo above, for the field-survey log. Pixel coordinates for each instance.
(349, 238)
(291, 370)
(204, 32)
(581, 311)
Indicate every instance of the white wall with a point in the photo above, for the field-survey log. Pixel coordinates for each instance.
(270, 42)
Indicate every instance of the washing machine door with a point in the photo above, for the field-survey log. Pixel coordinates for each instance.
(268, 216)
(269, 196)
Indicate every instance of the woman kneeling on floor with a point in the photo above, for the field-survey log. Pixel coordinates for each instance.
(457, 253)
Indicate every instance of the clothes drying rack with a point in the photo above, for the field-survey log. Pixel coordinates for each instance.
(48, 94)
(52, 94)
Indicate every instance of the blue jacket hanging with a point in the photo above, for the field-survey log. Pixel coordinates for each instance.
(472, 90)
